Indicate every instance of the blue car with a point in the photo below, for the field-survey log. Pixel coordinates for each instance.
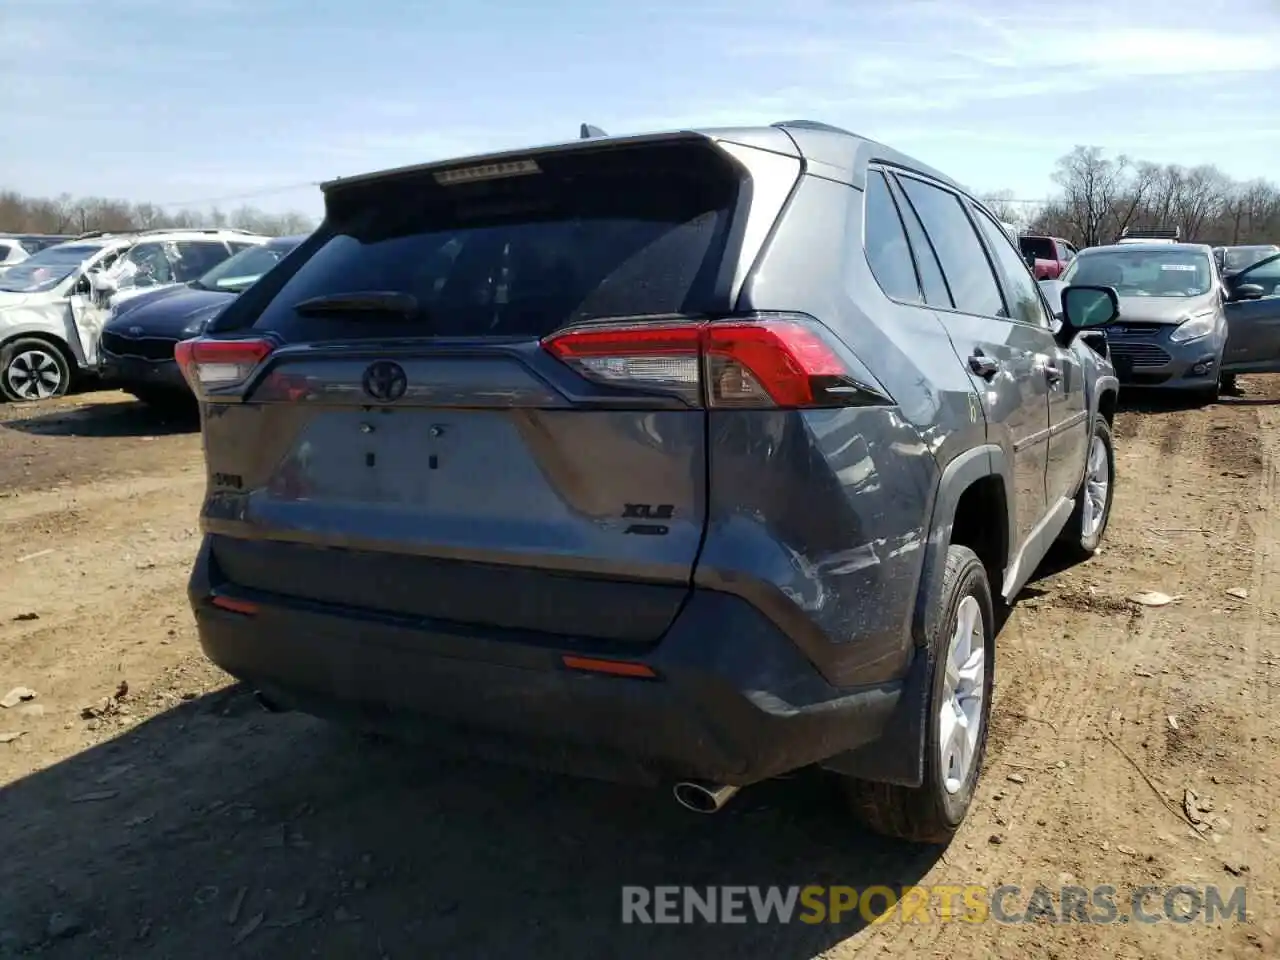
(136, 352)
(1183, 326)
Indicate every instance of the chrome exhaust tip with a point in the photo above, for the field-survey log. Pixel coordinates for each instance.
(703, 797)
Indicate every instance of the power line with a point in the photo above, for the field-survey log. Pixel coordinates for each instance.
(250, 195)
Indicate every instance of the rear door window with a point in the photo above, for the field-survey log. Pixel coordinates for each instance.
(194, 258)
(151, 265)
(935, 285)
(964, 261)
(620, 233)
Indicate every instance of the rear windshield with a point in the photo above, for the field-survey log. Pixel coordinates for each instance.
(1039, 247)
(621, 233)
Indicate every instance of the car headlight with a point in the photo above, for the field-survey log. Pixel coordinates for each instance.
(1193, 328)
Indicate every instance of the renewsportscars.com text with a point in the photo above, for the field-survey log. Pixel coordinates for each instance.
(1007, 903)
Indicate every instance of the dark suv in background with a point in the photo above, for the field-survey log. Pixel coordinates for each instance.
(138, 340)
(693, 458)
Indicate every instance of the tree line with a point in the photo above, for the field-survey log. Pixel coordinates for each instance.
(1098, 196)
(75, 215)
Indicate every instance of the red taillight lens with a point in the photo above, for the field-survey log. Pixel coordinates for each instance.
(767, 362)
(219, 363)
(771, 361)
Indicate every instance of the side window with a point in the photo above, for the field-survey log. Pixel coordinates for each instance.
(964, 262)
(886, 243)
(1025, 302)
(151, 264)
(1267, 276)
(107, 262)
(935, 285)
(1063, 251)
(195, 258)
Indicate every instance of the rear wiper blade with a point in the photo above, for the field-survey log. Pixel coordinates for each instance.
(365, 301)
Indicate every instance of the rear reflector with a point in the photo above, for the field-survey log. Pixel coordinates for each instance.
(749, 362)
(219, 363)
(617, 668)
(235, 606)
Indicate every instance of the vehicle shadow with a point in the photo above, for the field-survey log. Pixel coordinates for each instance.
(125, 419)
(1245, 401)
(217, 828)
(1137, 400)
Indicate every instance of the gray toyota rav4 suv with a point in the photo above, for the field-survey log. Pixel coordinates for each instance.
(693, 458)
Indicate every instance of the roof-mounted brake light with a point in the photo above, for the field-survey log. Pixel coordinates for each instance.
(486, 171)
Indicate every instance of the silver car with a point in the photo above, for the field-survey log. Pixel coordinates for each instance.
(1180, 326)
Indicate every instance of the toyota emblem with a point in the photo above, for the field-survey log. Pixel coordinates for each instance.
(385, 381)
(135, 331)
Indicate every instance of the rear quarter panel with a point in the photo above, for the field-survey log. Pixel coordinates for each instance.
(822, 518)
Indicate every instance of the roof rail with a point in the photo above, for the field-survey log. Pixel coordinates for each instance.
(1152, 233)
(152, 231)
(814, 125)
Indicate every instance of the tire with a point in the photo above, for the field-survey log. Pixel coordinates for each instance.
(32, 369)
(932, 812)
(1086, 527)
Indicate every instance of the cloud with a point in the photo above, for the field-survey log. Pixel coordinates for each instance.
(939, 55)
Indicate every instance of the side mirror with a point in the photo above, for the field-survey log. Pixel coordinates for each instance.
(1086, 307)
(1248, 291)
(82, 285)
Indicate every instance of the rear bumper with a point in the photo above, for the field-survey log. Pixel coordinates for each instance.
(734, 701)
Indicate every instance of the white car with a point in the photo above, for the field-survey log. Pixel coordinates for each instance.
(11, 252)
(53, 304)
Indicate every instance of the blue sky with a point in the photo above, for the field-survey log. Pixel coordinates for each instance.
(176, 100)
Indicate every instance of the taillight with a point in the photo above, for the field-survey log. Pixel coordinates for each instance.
(656, 356)
(210, 364)
(765, 361)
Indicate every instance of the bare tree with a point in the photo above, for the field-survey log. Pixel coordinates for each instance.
(1099, 197)
(1000, 202)
(66, 214)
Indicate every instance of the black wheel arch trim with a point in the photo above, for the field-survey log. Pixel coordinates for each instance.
(964, 470)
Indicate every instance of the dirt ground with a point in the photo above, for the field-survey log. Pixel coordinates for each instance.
(176, 819)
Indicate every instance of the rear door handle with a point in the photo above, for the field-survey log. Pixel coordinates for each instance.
(984, 366)
(1053, 373)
